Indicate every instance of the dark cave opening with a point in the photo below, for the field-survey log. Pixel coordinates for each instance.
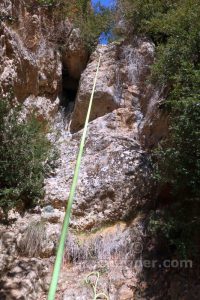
(69, 91)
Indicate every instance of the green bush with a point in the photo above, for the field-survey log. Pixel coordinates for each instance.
(177, 164)
(23, 150)
(178, 158)
(174, 27)
(179, 224)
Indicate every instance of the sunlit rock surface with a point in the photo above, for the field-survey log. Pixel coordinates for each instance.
(114, 179)
(45, 66)
(122, 71)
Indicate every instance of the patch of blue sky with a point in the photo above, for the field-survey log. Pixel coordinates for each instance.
(107, 3)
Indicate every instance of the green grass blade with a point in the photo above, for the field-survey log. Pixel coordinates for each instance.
(65, 227)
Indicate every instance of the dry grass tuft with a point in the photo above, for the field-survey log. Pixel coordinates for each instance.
(31, 243)
(118, 244)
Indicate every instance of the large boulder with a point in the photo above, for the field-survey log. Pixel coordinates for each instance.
(105, 98)
(124, 68)
(115, 178)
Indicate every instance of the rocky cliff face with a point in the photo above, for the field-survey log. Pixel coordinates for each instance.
(115, 176)
(115, 185)
(32, 65)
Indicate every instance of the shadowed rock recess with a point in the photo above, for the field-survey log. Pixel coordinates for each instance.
(45, 66)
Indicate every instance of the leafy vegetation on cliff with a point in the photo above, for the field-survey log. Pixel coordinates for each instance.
(23, 150)
(174, 27)
(91, 21)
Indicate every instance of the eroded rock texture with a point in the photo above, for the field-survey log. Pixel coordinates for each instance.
(44, 65)
(115, 178)
(31, 60)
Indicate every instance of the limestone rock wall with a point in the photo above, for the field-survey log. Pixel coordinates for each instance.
(31, 59)
(115, 178)
(115, 184)
(123, 70)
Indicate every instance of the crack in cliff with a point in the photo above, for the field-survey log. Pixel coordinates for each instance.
(68, 94)
(69, 89)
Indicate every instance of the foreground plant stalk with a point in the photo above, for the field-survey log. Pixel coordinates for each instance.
(65, 227)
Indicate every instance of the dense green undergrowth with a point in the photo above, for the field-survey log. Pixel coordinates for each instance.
(174, 27)
(24, 149)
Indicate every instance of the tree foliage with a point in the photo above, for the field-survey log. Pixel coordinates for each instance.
(23, 151)
(91, 20)
(174, 27)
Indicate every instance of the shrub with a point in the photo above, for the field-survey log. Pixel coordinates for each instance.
(178, 158)
(179, 225)
(174, 27)
(31, 243)
(23, 150)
